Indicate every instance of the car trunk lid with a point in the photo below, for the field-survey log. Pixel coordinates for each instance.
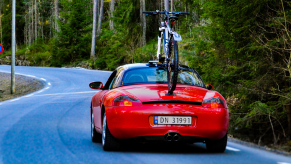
(154, 93)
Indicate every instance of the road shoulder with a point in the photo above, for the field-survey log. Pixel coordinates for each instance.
(23, 86)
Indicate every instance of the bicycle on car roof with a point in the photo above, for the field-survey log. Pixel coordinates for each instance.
(169, 58)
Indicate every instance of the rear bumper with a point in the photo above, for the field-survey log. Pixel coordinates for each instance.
(132, 122)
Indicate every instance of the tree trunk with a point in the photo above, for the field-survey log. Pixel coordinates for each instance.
(143, 22)
(100, 18)
(166, 3)
(288, 111)
(111, 14)
(140, 12)
(42, 24)
(24, 31)
(31, 24)
(35, 28)
(92, 56)
(144, 27)
(56, 15)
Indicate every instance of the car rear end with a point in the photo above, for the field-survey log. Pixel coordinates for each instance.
(147, 113)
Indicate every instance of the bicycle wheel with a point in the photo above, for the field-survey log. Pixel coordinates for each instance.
(172, 65)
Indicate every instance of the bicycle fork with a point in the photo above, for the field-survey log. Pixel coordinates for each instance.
(165, 42)
(159, 47)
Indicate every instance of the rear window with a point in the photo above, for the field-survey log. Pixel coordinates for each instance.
(158, 75)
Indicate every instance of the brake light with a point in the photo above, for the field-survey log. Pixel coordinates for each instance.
(214, 102)
(126, 101)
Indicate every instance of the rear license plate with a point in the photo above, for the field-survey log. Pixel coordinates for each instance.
(173, 120)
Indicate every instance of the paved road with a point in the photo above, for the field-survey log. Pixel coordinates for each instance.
(53, 126)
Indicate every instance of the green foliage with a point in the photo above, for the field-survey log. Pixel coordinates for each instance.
(241, 48)
(6, 22)
(73, 40)
(113, 47)
(38, 54)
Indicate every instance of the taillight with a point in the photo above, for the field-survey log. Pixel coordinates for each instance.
(126, 101)
(214, 102)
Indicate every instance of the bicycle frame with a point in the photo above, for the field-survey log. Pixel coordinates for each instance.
(166, 32)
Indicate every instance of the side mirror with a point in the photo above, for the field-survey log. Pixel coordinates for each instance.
(96, 85)
(209, 86)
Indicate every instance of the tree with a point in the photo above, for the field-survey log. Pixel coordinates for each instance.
(243, 48)
(36, 20)
(143, 22)
(56, 14)
(94, 30)
(73, 41)
(6, 23)
(100, 18)
(111, 14)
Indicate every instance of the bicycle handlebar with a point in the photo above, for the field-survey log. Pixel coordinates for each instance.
(165, 12)
(150, 12)
(182, 13)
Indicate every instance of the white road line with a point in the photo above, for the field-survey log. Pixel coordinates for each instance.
(25, 75)
(19, 74)
(231, 149)
(14, 100)
(29, 95)
(66, 93)
(43, 79)
(40, 91)
(283, 163)
(29, 75)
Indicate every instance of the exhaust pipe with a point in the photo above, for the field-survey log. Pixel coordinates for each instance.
(176, 137)
(172, 136)
(169, 137)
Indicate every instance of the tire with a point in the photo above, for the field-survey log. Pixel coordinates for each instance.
(95, 136)
(172, 65)
(217, 146)
(109, 143)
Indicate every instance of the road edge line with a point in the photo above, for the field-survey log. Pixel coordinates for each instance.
(249, 144)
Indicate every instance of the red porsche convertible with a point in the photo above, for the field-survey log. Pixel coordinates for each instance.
(134, 105)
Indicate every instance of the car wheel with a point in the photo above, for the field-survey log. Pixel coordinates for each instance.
(108, 141)
(95, 136)
(217, 146)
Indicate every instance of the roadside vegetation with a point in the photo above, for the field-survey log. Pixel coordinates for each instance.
(240, 47)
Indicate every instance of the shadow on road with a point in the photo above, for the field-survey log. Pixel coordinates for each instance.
(174, 148)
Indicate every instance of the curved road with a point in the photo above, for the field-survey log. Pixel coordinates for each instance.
(53, 126)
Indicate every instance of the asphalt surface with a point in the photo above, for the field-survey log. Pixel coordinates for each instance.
(52, 125)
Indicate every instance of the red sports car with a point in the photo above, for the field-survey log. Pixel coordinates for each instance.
(134, 105)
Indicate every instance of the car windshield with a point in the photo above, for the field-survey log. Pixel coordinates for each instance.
(158, 75)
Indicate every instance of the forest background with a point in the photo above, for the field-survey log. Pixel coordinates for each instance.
(241, 47)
